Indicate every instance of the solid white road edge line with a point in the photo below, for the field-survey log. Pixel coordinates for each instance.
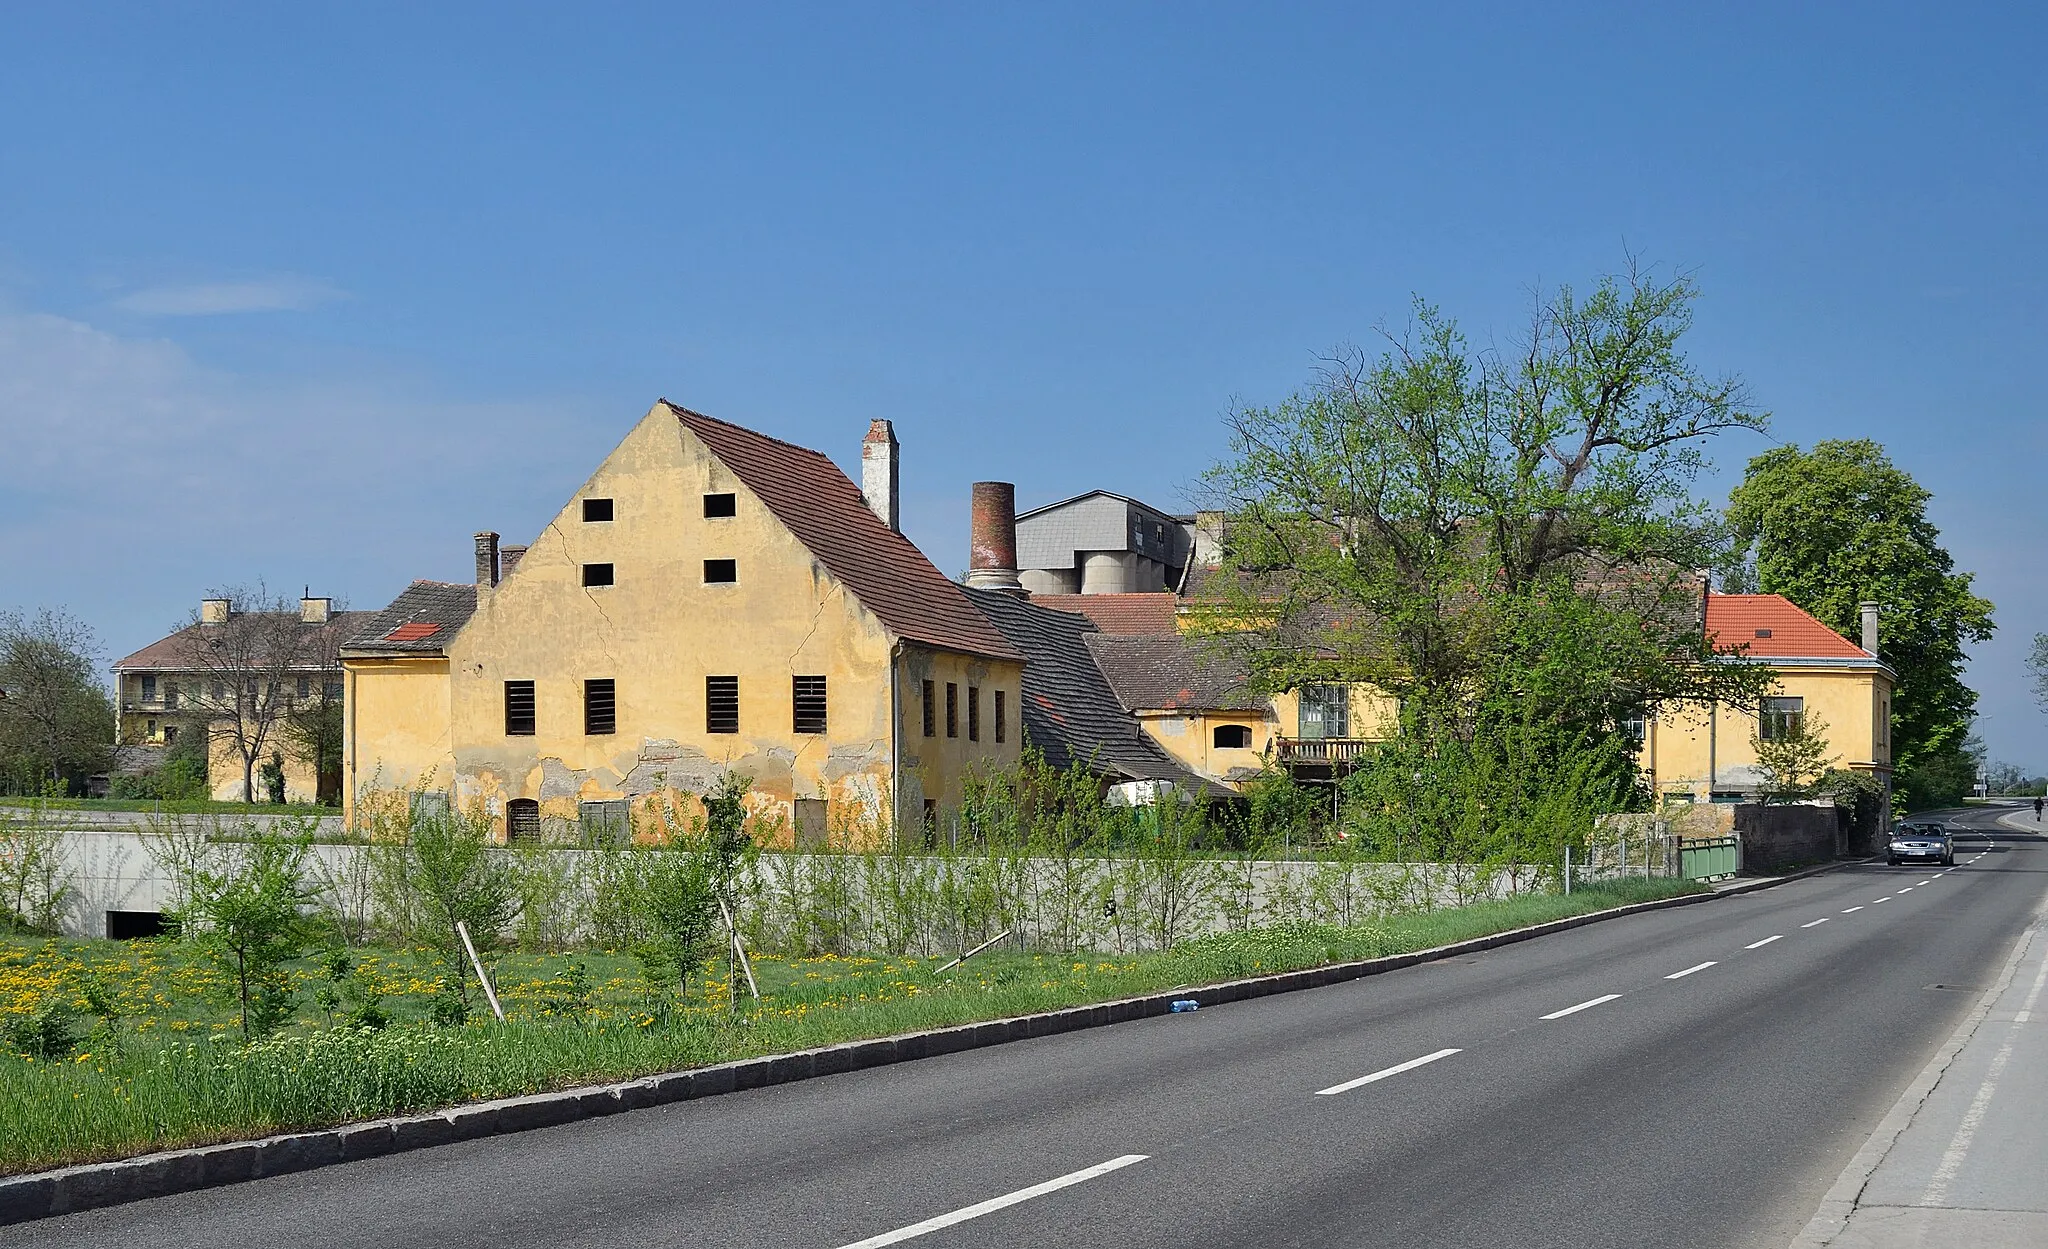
(1395, 1070)
(1757, 945)
(994, 1204)
(1690, 970)
(1573, 1010)
(1822, 920)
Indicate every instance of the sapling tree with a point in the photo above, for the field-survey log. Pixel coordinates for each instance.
(1791, 763)
(247, 913)
(690, 879)
(458, 880)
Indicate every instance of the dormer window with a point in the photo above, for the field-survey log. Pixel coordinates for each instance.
(597, 509)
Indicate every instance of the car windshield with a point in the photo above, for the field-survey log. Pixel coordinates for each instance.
(1915, 833)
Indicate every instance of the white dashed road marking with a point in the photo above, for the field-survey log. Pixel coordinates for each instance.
(1573, 1010)
(1822, 920)
(994, 1204)
(1689, 971)
(1395, 1070)
(1757, 945)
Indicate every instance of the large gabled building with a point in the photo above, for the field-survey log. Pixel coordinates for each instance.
(711, 600)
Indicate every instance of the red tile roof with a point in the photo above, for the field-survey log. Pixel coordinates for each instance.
(417, 631)
(891, 577)
(1771, 627)
(1135, 615)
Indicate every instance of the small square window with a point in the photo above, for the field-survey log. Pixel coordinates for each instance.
(721, 704)
(807, 697)
(597, 574)
(597, 509)
(717, 505)
(721, 571)
(600, 707)
(519, 720)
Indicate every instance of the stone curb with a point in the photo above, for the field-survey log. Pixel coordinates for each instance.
(44, 1194)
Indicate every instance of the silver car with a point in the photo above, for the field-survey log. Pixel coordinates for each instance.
(1921, 843)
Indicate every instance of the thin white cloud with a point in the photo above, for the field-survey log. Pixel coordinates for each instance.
(287, 293)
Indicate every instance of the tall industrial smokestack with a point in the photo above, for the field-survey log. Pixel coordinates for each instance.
(992, 538)
(1870, 627)
(879, 476)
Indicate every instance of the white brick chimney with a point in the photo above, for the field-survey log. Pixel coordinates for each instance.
(879, 473)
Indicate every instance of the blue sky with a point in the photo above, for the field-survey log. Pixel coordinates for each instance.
(312, 293)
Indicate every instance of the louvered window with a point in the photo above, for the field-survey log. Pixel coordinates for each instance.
(974, 713)
(952, 710)
(522, 821)
(1002, 721)
(931, 710)
(807, 697)
(600, 707)
(519, 709)
(721, 704)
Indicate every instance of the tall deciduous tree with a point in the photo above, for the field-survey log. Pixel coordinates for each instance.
(1841, 524)
(56, 721)
(1506, 541)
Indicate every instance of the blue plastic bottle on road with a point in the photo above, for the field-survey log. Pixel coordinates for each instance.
(1185, 1004)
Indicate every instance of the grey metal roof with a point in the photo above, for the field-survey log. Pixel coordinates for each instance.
(1049, 535)
(1070, 714)
(421, 621)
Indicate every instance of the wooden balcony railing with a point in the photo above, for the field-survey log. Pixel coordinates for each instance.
(1321, 750)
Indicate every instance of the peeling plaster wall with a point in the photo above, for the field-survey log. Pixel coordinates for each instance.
(395, 725)
(659, 631)
(935, 766)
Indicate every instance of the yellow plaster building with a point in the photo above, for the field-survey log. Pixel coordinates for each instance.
(1697, 754)
(710, 599)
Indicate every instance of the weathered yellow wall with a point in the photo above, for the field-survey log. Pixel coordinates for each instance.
(1190, 738)
(934, 767)
(1374, 716)
(395, 718)
(658, 632)
(1853, 702)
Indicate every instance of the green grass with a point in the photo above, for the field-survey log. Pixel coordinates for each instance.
(171, 1073)
(192, 806)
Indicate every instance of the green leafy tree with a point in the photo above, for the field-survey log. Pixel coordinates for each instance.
(56, 722)
(1504, 541)
(688, 878)
(457, 879)
(247, 912)
(1841, 524)
(1792, 763)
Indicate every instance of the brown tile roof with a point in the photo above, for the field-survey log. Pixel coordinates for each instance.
(1771, 626)
(420, 621)
(891, 577)
(1172, 673)
(1131, 614)
(174, 653)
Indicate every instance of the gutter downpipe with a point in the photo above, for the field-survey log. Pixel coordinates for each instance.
(896, 743)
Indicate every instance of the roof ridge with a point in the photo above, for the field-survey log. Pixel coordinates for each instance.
(680, 410)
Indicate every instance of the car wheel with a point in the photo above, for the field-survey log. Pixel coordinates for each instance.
(1891, 862)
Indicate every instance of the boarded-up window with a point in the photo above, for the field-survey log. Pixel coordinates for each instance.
(807, 699)
(597, 509)
(717, 505)
(597, 574)
(519, 715)
(606, 823)
(721, 704)
(952, 710)
(1002, 721)
(812, 830)
(721, 571)
(931, 710)
(600, 707)
(974, 713)
(522, 821)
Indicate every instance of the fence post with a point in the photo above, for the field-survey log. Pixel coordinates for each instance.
(1567, 869)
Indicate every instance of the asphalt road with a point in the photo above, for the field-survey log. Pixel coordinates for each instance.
(1713, 1108)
